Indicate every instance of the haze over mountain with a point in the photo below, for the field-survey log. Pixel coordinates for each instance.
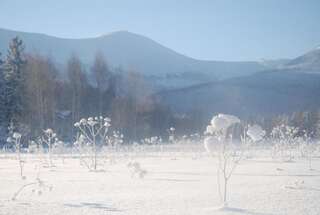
(309, 62)
(294, 85)
(134, 52)
(264, 93)
(186, 84)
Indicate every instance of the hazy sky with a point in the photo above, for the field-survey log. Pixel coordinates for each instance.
(203, 29)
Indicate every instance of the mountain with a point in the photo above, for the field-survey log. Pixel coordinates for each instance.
(264, 93)
(163, 66)
(274, 64)
(309, 62)
(190, 85)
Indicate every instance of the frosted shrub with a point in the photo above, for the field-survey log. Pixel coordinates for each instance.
(285, 141)
(83, 147)
(155, 142)
(136, 170)
(255, 134)
(113, 142)
(50, 140)
(152, 140)
(171, 132)
(211, 144)
(93, 131)
(15, 139)
(33, 147)
(38, 186)
(195, 137)
(59, 149)
(218, 141)
(307, 148)
(116, 139)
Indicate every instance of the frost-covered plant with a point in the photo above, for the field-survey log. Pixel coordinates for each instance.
(51, 141)
(137, 148)
(38, 186)
(136, 170)
(285, 140)
(152, 140)
(33, 147)
(195, 137)
(93, 131)
(228, 154)
(113, 142)
(82, 146)
(155, 142)
(171, 132)
(15, 139)
(116, 139)
(307, 148)
(59, 149)
(255, 134)
(211, 143)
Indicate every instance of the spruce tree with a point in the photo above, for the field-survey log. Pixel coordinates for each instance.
(1, 91)
(13, 83)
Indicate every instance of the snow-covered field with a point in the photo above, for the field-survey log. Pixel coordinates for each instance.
(177, 182)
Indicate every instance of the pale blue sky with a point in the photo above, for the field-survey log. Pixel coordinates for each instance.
(203, 29)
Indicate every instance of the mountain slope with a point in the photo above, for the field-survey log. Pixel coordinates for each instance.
(264, 93)
(131, 51)
(309, 62)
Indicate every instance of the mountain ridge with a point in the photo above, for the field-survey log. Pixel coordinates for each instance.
(130, 50)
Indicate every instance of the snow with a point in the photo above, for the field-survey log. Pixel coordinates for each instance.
(181, 181)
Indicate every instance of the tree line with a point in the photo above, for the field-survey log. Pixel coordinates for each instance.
(36, 94)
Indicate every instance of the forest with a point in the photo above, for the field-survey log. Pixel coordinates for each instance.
(37, 93)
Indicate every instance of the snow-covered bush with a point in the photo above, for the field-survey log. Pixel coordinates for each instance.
(255, 134)
(218, 141)
(93, 131)
(284, 139)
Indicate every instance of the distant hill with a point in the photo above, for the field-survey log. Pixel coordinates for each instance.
(186, 84)
(163, 66)
(294, 85)
(309, 62)
(264, 93)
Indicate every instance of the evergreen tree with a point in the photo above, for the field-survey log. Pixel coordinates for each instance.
(14, 83)
(1, 61)
(1, 91)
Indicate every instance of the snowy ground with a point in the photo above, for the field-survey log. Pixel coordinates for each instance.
(177, 183)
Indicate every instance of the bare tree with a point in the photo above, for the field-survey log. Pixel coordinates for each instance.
(102, 75)
(40, 81)
(78, 84)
